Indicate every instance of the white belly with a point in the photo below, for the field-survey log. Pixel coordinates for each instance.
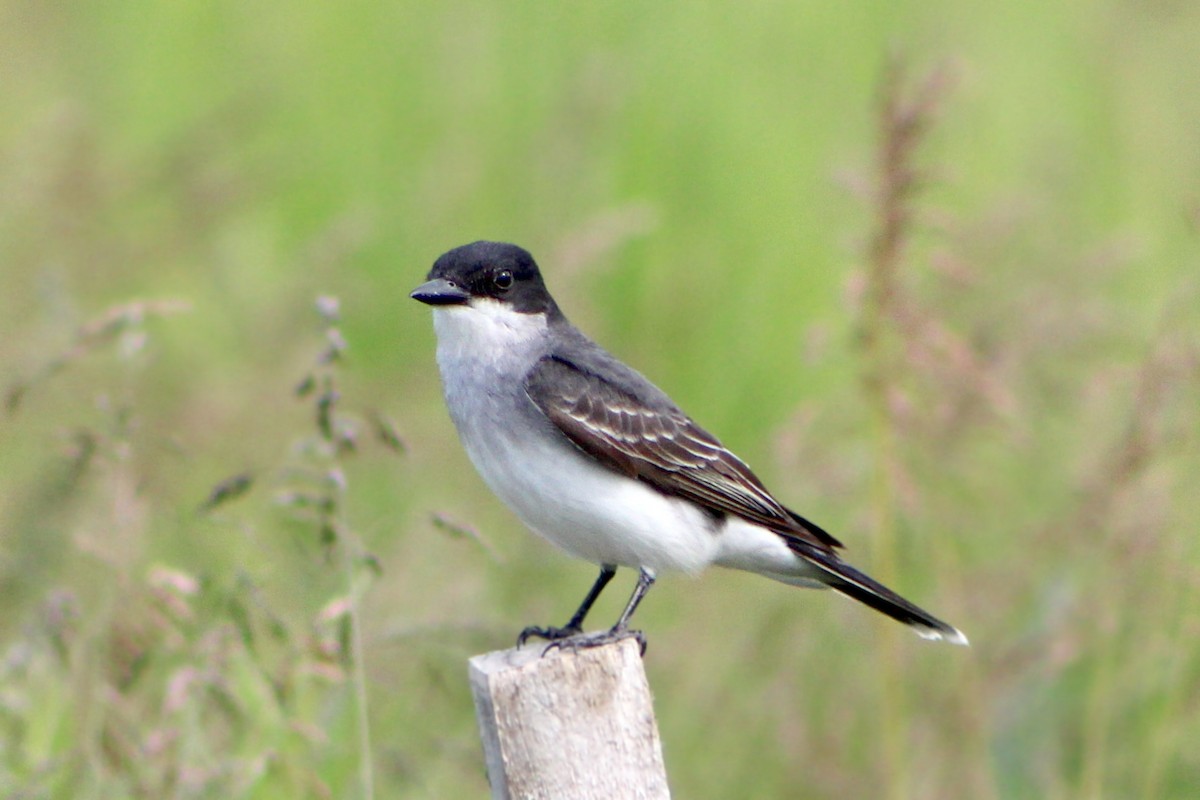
(587, 510)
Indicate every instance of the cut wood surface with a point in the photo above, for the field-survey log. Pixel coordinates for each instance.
(568, 724)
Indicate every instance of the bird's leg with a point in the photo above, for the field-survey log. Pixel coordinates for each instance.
(575, 626)
(621, 629)
(645, 581)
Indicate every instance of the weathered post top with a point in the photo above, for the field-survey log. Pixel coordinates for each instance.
(568, 724)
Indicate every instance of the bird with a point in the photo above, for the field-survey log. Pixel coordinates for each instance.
(596, 459)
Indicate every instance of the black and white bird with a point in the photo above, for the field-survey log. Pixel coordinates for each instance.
(599, 461)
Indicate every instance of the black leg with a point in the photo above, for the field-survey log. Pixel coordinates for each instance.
(618, 631)
(645, 581)
(575, 626)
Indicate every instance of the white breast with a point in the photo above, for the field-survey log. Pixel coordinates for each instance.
(554, 488)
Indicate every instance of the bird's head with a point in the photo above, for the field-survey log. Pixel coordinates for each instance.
(487, 273)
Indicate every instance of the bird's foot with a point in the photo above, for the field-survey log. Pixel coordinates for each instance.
(582, 641)
(550, 634)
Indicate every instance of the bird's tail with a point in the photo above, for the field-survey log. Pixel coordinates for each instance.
(845, 579)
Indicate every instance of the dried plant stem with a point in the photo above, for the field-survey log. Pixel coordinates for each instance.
(118, 552)
(892, 706)
(1141, 441)
(339, 438)
(1097, 714)
(1166, 727)
(351, 562)
(902, 121)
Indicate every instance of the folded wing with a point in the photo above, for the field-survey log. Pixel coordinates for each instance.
(653, 441)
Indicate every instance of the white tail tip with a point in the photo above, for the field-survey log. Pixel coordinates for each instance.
(952, 636)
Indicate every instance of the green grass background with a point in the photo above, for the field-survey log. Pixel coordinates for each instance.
(695, 180)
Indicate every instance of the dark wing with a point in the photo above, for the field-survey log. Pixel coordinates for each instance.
(653, 441)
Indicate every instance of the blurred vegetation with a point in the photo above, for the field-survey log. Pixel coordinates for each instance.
(949, 310)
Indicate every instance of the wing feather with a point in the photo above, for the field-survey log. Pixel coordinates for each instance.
(660, 445)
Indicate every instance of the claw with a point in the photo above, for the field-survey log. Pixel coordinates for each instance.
(581, 641)
(551, 634)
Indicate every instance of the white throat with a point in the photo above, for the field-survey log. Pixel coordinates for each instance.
(486, 330)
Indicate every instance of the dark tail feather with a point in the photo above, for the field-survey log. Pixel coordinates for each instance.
(843, 578)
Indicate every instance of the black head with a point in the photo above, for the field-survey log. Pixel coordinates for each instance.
(487, 270)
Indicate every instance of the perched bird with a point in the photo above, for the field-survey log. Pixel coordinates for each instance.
(599, 461)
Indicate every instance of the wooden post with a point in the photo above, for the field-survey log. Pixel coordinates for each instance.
(568, 725)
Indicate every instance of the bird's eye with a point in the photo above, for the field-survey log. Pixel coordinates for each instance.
(503, 279)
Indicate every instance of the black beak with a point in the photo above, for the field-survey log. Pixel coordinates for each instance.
(440, 292)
